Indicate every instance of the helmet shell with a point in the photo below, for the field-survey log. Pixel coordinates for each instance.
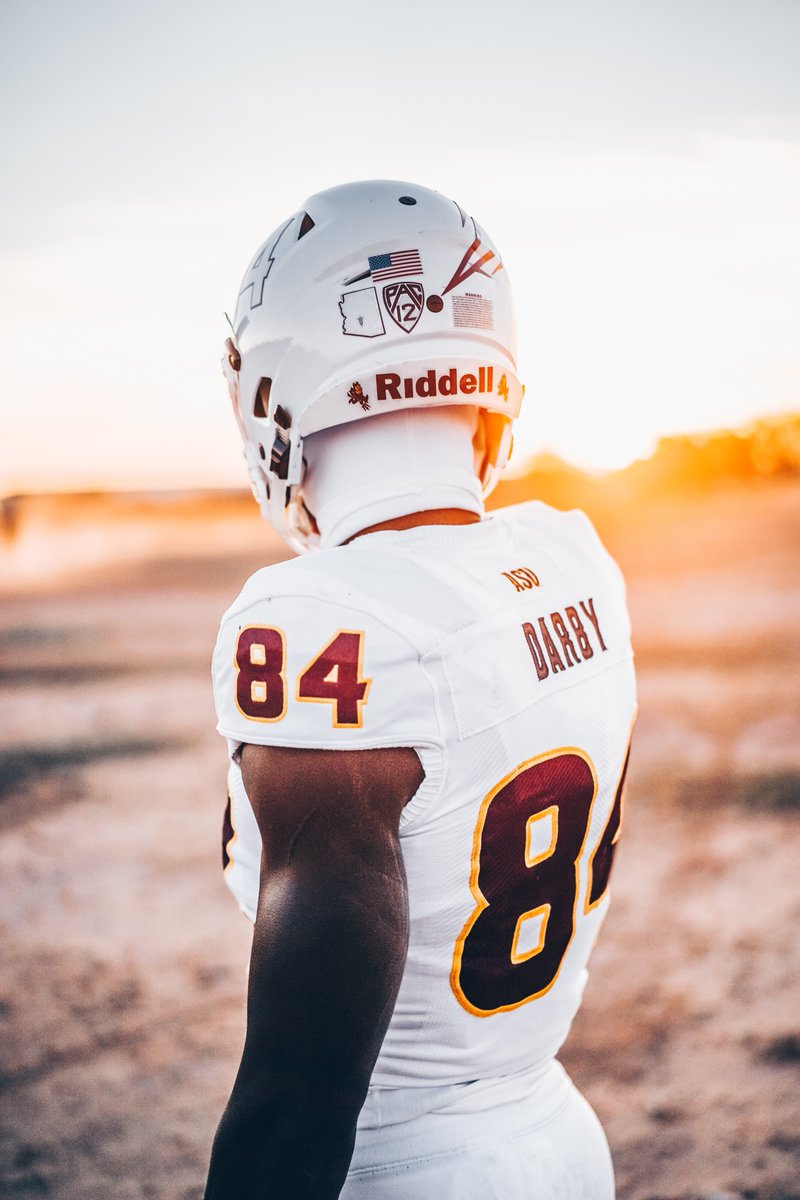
(374, 296)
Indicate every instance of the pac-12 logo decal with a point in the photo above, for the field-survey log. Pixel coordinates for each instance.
(404, 303)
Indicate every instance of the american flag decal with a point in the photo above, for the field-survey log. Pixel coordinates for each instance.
(392, 266)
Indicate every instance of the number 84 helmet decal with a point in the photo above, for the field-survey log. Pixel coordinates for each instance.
(375, 296)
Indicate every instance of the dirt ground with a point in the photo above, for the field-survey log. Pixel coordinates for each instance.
(123, 972)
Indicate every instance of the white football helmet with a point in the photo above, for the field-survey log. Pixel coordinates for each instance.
(375, 296)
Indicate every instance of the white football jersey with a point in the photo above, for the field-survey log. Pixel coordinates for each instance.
(501, 652)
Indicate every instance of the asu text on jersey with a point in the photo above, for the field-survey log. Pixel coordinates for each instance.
(515, 686)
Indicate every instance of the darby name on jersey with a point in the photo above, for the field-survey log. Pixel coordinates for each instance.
(569, 631)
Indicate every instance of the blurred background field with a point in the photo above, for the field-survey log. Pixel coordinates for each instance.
(123, 974)
(639, 165)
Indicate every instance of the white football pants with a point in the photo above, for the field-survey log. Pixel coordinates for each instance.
(526, 1137)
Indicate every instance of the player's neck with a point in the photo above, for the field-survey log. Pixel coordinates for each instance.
(434, 516)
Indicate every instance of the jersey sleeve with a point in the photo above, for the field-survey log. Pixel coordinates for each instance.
(323, 673)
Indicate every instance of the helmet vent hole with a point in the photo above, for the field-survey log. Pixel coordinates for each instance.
(306, 225)
(262, 452)
(407, 200)
(261, 405)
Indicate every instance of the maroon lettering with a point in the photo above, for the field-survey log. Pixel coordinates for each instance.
(562, 634)
(388, 386)
(490, 974)
(448, 384)
(542, 669)
(580, 633)
(590, 613)
(334, 676)
(509, 575)
(228, 834)
(550, 646)
(526, 577)
(426, 386)
(260, 665)
(603, 858)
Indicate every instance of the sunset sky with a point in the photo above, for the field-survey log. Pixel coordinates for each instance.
(637, 162)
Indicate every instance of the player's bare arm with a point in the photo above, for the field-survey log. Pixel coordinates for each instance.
(328, 954)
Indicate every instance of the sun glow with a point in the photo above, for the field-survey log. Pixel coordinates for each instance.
(638, 165)
(656, 293)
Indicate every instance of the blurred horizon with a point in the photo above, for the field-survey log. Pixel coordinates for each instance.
(47, 536)
(772, 443)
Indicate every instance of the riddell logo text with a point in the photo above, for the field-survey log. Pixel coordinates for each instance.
(397, 387)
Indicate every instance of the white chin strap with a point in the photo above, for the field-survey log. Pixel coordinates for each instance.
(388, 466)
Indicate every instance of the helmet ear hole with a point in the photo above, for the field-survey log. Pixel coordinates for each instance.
(306, 225)
(261, 404)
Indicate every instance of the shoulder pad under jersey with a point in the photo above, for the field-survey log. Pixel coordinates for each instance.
(300, 661)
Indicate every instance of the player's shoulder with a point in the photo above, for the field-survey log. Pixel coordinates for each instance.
(343, 583)
(305, 630)
(312, 575)
(535, 515)
(570, 532)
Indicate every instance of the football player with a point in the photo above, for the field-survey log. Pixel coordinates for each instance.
(428, 721)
